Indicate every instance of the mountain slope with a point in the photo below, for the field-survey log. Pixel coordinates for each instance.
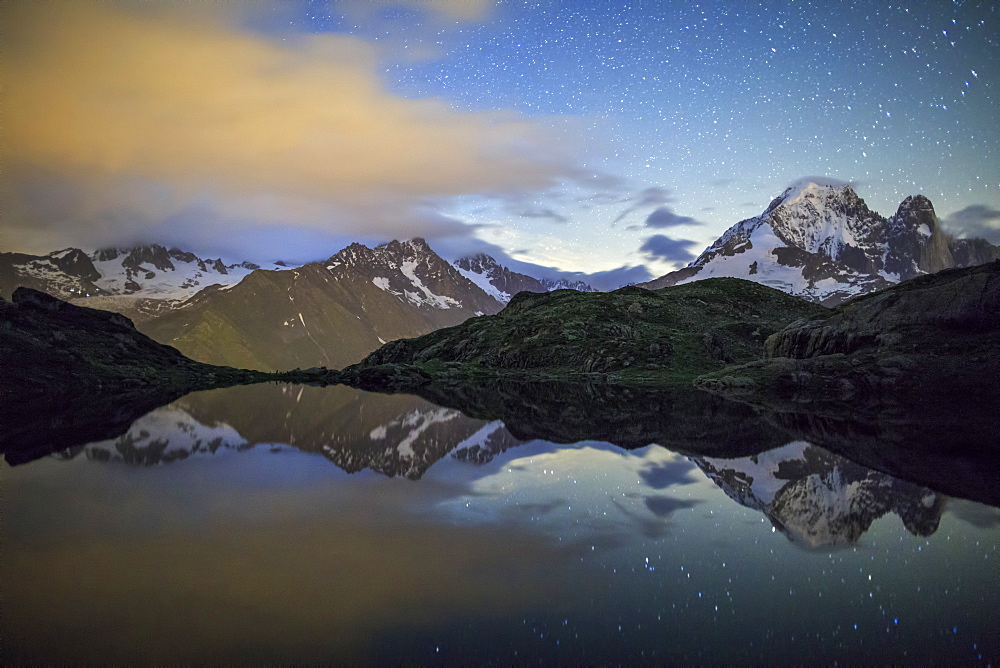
(51, 348)
(821, 241)
(330, 313)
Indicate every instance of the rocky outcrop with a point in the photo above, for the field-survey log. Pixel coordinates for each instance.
(925, 314)
(926, 343)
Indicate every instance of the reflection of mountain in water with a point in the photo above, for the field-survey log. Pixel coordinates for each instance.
(819, 499)
(396, 435)
(164, 435)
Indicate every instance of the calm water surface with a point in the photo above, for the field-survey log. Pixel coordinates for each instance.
(286, 523)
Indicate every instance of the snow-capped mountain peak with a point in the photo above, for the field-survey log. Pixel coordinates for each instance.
(412, 272)
(141, 272)
(154, 271)
(819, 240)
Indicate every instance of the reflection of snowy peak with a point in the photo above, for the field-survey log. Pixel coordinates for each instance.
(819, 499)
(152, 272)
(822, 242)
(163, 436)
(491, 440)
(501, 283)
(393, 435)
(406, 446)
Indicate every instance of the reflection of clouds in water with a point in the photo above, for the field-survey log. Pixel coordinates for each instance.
(661, 475)
(591, 495)
(662, 506)
(976, 514)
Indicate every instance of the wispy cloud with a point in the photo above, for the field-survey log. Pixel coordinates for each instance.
(653, 196)
(663, 248)
(547, 214)
(663, 217)
(975, 221)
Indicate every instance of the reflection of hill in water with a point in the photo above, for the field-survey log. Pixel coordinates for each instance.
(951, 450)
(396, 435)
(403, 435)
(819, 499)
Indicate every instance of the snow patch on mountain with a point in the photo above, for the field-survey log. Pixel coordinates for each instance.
(501, 283)
(419, 422)
(408, 269)
(482, 436)
(129, 275)
(414, 274)
(484, 283)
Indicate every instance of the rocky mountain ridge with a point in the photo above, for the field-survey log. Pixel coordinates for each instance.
(502, 283)
(148, 271)
(329, 313)
(932, 340)
(393, 435)
(820, 241)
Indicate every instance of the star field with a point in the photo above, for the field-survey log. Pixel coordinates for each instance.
(619, 137)
(723, 104)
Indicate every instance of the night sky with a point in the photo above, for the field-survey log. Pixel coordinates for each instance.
(583, 136)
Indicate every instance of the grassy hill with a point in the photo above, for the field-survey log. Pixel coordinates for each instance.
(636, 335)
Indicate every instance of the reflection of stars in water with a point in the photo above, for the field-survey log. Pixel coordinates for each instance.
(698, 563)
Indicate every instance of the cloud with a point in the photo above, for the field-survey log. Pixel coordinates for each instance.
(821, 181)
(436, 11)
(660, 247)
(662, 217)
(980, 516)
(616, 278)
(410, 31)
(649, 197)
(975, 221)
(544, 213)
(143, 112)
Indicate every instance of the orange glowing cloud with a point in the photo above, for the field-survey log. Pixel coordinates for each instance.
(93, 93)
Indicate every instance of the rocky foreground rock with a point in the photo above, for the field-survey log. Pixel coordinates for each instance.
(934, 338)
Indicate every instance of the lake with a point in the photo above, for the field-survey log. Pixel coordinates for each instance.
(282, 523)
